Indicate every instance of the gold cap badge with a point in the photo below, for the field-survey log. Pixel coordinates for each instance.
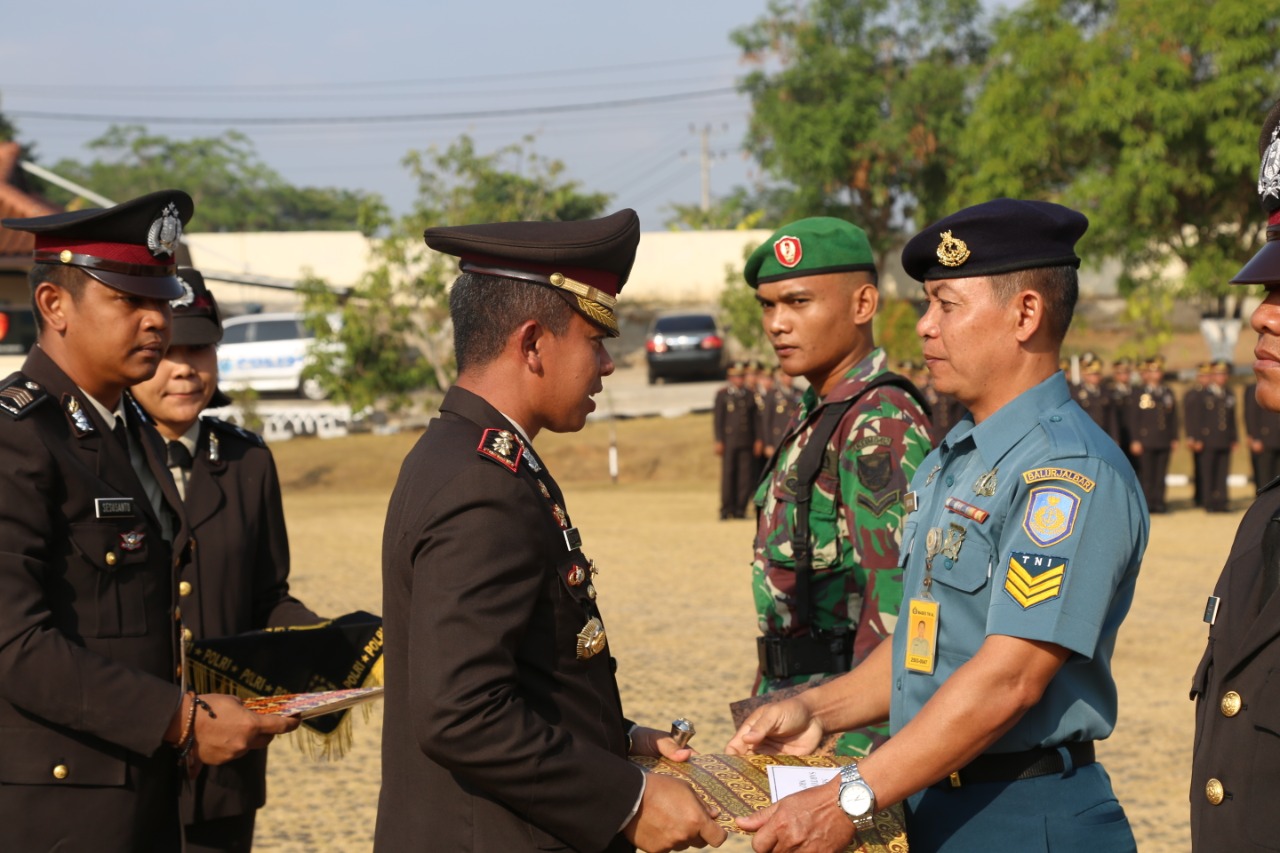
(952, 251)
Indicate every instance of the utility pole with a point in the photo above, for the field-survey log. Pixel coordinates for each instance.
(706, 158)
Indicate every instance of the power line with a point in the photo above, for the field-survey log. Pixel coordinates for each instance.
(263, 121)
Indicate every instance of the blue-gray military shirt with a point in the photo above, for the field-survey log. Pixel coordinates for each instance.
(1041, 528)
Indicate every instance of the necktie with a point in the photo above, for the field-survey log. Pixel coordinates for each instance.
(121, 434)
(178, 455)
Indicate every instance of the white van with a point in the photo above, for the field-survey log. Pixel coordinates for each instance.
(267, 352)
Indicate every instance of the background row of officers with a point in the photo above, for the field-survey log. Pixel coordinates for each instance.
(1142, 415)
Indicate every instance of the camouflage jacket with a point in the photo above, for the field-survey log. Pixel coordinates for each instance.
(855, 520)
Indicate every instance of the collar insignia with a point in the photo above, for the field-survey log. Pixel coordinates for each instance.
(502, 447)
(952, 251)
(79, 420)
(215, 450)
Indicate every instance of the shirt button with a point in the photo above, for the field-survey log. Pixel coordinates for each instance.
(110, 558)
(1055, 418)
(61, 772)
(184, 588)
(1231, 704)
(898, 685)
(951, 481)
(946, 564)
(1213, 792)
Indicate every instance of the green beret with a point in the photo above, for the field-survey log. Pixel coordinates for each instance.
(814, 246)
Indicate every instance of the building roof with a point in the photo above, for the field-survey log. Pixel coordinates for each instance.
(16, 200)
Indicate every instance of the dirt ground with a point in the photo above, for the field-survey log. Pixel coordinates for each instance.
(674, 590)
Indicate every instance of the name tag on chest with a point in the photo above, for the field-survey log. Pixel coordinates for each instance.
(113, 508)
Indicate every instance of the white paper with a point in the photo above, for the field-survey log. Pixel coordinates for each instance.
(785, 780)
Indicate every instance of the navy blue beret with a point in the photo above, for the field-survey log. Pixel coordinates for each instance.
(998, 236)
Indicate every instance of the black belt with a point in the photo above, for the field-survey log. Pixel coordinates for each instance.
(785, 657)
(1012, 766)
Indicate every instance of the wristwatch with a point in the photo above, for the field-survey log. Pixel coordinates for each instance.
(856, 799)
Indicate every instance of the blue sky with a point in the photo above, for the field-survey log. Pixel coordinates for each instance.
(235, 59)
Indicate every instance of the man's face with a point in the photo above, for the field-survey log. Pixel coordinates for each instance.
(115, 337)
(182, 387)
(573, 366)
(1121, 377)
(1093, 379)
(812, 325)
(1266, 354)
(967, 338)
(1152, 377)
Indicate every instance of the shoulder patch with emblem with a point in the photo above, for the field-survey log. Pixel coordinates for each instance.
(502, 447)
(19, 395)
(234, 429)
(875, 470)
(1034, 578)
(1051, 515)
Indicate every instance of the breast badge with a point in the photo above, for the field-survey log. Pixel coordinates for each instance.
(985, 487)
(591, 639)
(132, 540)
(1051, 515)
(1034, 578)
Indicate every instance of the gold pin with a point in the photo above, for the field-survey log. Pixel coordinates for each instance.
(591, 639)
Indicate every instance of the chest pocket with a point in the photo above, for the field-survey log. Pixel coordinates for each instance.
(119, 581)
(968, 572)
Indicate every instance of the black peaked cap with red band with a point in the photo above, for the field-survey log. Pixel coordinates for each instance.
(587, 262)
(131, 247)
(1264, 267)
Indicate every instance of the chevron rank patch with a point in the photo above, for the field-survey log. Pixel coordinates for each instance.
(501, 446)
(1051, 515)
(20, 395)
(1034, 578)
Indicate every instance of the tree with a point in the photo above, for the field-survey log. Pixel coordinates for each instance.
(1144, 114)
(233, 189)
(395, 336)
(740, 210)
(857, 103)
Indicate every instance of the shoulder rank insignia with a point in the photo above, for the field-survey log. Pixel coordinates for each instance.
(215, 449)
(1051, 515)
(502, 447)
(1034, 578)
(20, 395)
(232, 429)
(80, 422)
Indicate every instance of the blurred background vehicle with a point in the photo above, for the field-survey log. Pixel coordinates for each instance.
(267, 352)
(17, 336)
(685, 346)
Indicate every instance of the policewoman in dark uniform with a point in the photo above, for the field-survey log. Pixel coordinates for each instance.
(1021, 559)
(1235, 772)
(503, 729)
(238, 579)
(94, 719)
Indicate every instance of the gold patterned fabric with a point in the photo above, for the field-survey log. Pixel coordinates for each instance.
(738, 785)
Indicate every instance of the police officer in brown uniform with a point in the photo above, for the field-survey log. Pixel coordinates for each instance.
(1262, 429)
(734, 423)
(238, 579)
(1094, 399)
(1213, 431)
(775, 413)
(1120, 390)
(1153, 423)
(1235, 773)
(1195, 417)
(503, 730)
(94, 719)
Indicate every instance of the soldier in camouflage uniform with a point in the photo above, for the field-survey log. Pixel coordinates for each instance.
(816, 281)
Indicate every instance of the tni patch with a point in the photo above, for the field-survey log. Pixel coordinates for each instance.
(1034, 578)
(1051, 515)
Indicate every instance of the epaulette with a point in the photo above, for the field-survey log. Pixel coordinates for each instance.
(234, 429)
(502, 447)
(1065, 437)
(19, 395)
(138, 410)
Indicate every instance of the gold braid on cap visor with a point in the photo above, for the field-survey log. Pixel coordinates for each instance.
(593, 303)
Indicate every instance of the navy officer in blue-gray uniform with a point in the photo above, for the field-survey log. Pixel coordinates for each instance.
(1020, 556)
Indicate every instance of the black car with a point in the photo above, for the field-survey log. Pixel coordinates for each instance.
(685, 345)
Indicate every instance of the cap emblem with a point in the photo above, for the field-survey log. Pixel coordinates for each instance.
(188, 295)
(952, 251)
(165, 232)
(1269, 172)
(788, 251)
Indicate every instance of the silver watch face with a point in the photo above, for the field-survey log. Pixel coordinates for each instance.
(856, 799)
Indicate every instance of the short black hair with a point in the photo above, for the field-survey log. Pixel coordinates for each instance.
(1060, 287)
(486, 309)
(70, 279)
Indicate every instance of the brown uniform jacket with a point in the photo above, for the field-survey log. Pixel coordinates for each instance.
(1237, 693)
(88, 641)
(238, 581)
(734, 420)
(496, 737)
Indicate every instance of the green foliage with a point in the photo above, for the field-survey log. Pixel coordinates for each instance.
(857, 104)
(741, 210)
(895, 330)
(740, 313)
(232, 188)
(395, 336)
(1144, 114)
